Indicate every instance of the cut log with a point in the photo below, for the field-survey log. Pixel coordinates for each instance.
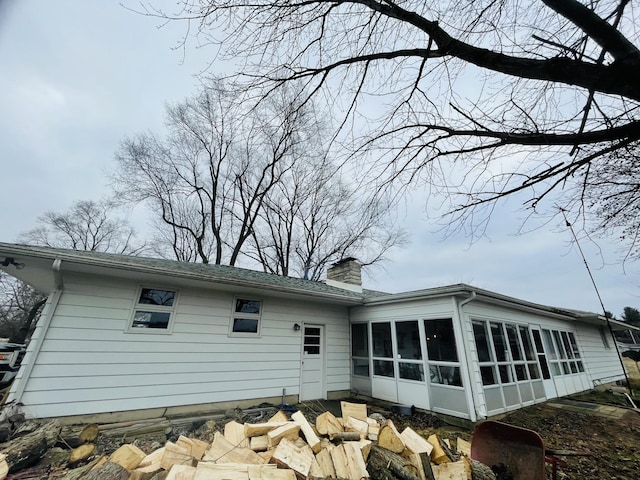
(221, 451)
(438, 454)
(381, 459)
(345, 437)
(326, 464)
(353, 424)
(374, 429)
(414, 442)
(153, 458)
(80, 472)
(307, 430)
(460, 470)
(195, 447)
(25, 451)
(89, 433)
(287, 455)
(81, 453)
(339, 459)
(181, 472)
(348, 462)
(390, 439)
(259, 444)
(175, 454)
(355, 410)
(234, 433)
(364, 446)
(290, 431)
(108, 471)
(327, 424)
(257, 429)
(280, 416)
(128, 456)
(480, 471)
(463, 447)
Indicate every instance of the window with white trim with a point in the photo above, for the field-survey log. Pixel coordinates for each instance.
(246, 318)
(154, 310)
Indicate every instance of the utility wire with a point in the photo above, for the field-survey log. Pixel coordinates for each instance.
(595, 287)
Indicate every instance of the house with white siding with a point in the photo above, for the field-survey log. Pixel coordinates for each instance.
(133, 337)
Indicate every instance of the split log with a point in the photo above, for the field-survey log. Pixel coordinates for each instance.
(4, 467)
(221, 451)
(175, 454)
(348, 461)
(259, 444)
(460, 470)
(414, 442)
(463, 447)
(287, 455)
(257, 472)
(390, 439)
(374, 429)
(280, 416)
(326, 464)
(355, 410)
(181, 472)
(234, 432)
(146, 473)
(128, 456)
(353, 424)
(25, 451)
(308, 432)
(290, 431)
(381, 459)
(328, 424)
(195, 447)
(153, 458)
(108, 471)
(439, 453)
(257, 429)
(364, 446)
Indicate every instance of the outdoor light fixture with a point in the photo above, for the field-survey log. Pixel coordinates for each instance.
(12, 261)
(296, 327)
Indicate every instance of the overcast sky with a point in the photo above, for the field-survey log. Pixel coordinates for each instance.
(76, 76)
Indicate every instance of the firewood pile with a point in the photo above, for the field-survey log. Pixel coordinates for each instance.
(354, 446)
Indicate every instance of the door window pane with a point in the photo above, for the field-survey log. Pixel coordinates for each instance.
(488, 375)
(445, 375)
(408, 339)
(514, 342)
(482, 342)
(383, 368)
(360, 367)
(548, 345)
(381, 335)
(411, 371)
(526, 343)
(359, 340)
(499, 342)
(441, 342)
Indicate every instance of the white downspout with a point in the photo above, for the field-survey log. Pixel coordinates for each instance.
(33, 351)
(464, 362)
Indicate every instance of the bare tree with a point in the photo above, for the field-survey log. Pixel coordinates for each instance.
(19, 306)
(87, 225)
(524, 98)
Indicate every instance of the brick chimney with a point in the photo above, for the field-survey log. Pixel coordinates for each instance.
(345, 273)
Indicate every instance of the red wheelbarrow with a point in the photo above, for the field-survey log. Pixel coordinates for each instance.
(512, 452)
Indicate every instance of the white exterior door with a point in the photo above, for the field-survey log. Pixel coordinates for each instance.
(543, 360)
(313, 363)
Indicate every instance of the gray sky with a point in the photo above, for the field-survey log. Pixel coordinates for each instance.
(76, 76)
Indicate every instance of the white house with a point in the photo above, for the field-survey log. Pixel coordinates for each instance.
(137, 336)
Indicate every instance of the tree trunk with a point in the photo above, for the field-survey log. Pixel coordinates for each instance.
(25, 451)
(109, 471)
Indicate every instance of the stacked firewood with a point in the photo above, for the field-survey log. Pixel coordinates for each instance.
(288, 448)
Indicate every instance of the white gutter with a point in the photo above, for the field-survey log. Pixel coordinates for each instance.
(33, 350)
(464, 360)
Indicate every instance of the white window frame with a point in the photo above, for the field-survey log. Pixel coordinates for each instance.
(252, 316)
(137, 306)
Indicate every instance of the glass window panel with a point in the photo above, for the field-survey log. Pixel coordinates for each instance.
(574, 345)
(534, 373)
(312, 331)
(151, 296)
(142, 319)
(312, 349)
(499, 342)
(411, 371)
(383, 368)
(445, 375)
(360, 367)
(381, 334)
(408, 340)
(538, 341)
(488, 375)
(359, 340)
(574, 368)
(309, 340)
(441, 341)
(248, 306)
(567, 345)
(565, 368)
(521, 372)
(544, 366)
(526, 343)
(556, 337)
(514, 342)
(245, 325)
(580, 366)
(555, 368)
(505, 374)
(482, 342)
(548, 345)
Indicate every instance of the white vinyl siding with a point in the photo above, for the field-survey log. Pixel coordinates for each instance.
(89, 364)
